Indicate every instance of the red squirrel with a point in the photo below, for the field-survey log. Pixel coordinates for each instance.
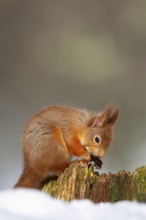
(55, 134)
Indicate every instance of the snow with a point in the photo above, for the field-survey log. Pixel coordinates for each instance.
(22, 204)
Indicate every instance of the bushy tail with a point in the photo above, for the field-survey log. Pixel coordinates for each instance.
(29, 179)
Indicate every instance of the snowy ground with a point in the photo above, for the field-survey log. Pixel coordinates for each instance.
(32, 204)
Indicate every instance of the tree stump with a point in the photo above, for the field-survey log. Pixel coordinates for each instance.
(81, 182)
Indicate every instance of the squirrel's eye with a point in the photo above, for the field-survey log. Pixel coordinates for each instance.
(97, 139)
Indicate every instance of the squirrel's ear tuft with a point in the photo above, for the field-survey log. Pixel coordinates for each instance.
(108, 116)
(113, 116)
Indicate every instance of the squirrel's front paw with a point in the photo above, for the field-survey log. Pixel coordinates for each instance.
(81, 163)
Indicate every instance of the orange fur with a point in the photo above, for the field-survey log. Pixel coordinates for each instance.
(56, 133)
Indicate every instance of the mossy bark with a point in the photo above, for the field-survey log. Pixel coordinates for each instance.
(81, 182)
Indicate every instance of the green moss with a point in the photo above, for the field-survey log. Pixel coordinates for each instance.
(112, 188)
(139, 184)
(93, 175)
(50, 187)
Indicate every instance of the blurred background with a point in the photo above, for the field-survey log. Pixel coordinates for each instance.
(81, 53)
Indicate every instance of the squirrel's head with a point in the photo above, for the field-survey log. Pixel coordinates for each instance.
(98, 135)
